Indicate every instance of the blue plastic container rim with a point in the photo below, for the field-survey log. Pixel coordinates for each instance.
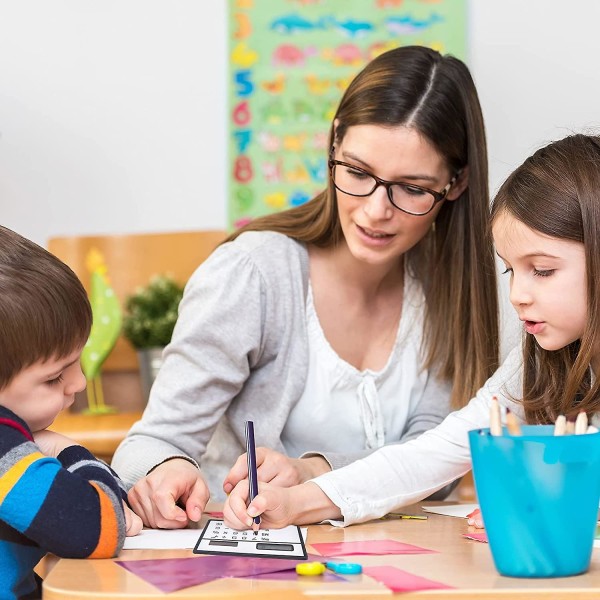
(530, 432)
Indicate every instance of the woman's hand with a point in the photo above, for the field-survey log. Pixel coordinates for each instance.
(173, 494)
(52, 443)
(475, 519)
(133, 524)
(276, 468)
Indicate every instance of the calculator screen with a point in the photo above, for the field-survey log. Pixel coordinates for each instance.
(263, 546)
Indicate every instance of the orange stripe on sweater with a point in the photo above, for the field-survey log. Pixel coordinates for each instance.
(109, 527)
(15, 473)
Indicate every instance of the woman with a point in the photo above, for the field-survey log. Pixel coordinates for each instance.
(546, 231)
(353, 321)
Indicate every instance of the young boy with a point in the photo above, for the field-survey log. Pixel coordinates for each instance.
(54, 495)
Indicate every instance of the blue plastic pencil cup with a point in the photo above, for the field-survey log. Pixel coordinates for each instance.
(539, 497)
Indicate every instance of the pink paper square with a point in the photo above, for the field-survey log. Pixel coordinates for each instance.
(377, 547)
(398, 580)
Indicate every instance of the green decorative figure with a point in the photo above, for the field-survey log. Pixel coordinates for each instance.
(106, 327)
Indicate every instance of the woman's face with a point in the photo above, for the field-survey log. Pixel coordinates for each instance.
(375, 231)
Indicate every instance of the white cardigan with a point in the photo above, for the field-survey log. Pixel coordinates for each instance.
(240, 351)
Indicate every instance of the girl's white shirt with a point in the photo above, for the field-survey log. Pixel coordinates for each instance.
(352, 410)
(398, 475)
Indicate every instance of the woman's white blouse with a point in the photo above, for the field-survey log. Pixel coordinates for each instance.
(344, 409)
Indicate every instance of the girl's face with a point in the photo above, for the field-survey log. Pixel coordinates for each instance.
(39, 392)
(375, 231)
(547, 281)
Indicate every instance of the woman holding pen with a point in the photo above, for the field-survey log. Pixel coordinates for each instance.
(546, 229)
(341, 326)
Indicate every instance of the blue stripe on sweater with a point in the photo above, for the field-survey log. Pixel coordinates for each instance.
(16, 570)
(26, 497)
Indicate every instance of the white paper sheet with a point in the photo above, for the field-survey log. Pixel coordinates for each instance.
(170, 539)
(452, 510)
(163, 539)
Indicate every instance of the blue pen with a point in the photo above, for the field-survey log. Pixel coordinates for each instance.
(252, 474)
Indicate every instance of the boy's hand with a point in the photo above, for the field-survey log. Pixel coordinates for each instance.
(157, 497)
(277, 469)
(133, 524)
(52, 443)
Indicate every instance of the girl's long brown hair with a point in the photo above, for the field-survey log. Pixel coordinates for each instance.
(557, 192)
(417, 87)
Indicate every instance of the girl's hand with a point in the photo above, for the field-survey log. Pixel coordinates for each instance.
(273, 504)
(475, 519)
(276, 468)
(173, 494)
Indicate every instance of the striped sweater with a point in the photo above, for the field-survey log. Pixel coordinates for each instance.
(70, 506)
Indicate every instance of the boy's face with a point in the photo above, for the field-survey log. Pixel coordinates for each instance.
(39, 392)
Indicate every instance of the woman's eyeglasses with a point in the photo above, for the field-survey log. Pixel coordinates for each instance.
(407, 197)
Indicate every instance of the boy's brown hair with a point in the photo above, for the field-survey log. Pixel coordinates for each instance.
(44, 309)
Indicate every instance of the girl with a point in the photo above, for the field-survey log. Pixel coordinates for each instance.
(348, 323)
(546, 228)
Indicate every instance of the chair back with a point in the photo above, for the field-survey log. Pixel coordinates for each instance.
(131, 261)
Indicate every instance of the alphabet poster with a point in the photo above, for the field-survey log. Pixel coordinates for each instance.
(290, 61)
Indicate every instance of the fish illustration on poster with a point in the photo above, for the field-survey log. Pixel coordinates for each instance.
(289, 64)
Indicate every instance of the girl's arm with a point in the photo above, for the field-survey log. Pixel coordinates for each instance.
(389, 478)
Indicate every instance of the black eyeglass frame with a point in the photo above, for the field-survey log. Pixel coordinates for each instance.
(438, 196)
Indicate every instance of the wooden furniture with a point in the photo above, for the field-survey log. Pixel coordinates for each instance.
(131, 261)
(467, 565)
(100, 434)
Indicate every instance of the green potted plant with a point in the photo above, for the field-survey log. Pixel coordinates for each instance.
(150, 316)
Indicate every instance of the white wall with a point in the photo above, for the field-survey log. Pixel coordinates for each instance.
(536, 66)
(112, 116)
(112, 112)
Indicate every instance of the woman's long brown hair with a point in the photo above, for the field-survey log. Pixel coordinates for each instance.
(557, 192)
(417, 87)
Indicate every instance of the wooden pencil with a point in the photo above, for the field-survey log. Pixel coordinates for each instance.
(495, 421)
(560, 427)
(581, 423)
(512, 423)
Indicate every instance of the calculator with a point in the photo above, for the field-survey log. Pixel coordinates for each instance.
(217, 538)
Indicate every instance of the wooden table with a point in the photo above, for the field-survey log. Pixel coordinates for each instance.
(462, 563)
(100, 434)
